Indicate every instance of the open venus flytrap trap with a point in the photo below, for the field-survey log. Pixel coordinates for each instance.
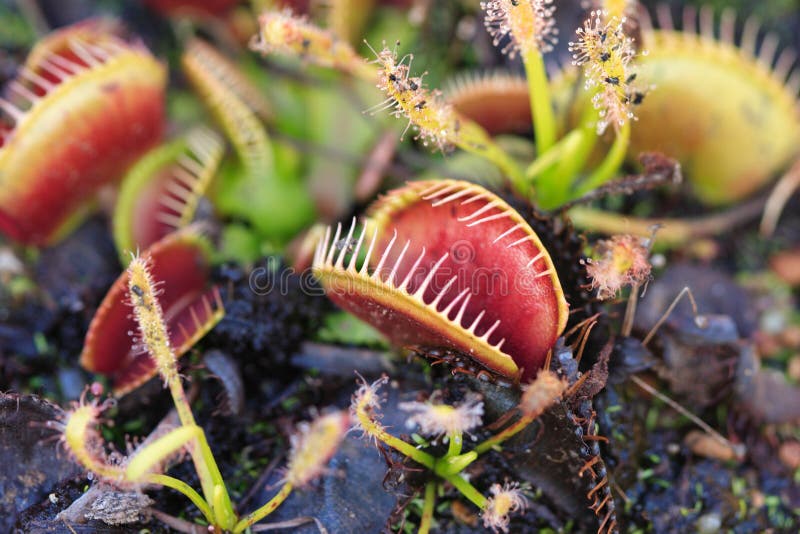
(349, 219)
(434, 294)
(57, 107)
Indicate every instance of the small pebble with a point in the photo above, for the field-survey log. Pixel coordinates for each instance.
(464, 514)
(757, 499)
(789, 454)
(787, 266)
(709, 523)
(791, 336)
(767, 344)
(793, 369)
(704, 445)
(9, 263)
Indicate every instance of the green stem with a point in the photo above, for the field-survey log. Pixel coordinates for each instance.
(377, 431)
(456, 441)
(205, 464)
(672, 232)
(610, 165)
(223, 508)
(468, 490)
(544, 123)
(408, 450)
(427, 507)
(489, 150)
(553, 155)
(262, 512)
(448, 466)
(507, 433)
(150, 456)
(569, 167)
(562, 177)
(553, 188)
(186, 489)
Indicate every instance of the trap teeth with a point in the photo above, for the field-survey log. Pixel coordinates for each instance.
(729, 114)
(439, 272)
(87, 105)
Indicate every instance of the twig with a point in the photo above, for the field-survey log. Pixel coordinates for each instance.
(290, 523)
(739, 450)
(697, 318)
(658, 170)
(783, 190)
(673, 231)
(181, 525)
(262, 480)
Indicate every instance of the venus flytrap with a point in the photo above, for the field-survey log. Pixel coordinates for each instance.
(450, 423)
(161, 193)
(71, 83)
(312, 447)
(254, 183)
(698, 71)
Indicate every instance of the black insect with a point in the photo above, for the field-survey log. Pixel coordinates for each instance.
(139, 292)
